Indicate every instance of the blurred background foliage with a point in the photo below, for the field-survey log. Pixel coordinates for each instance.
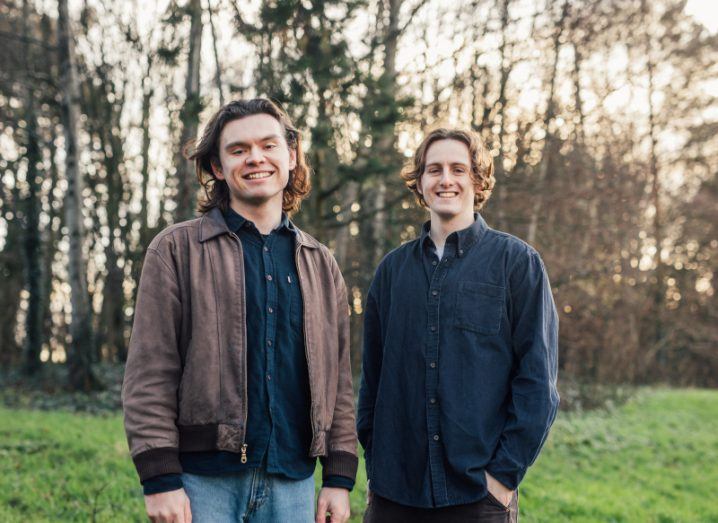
(601, 115)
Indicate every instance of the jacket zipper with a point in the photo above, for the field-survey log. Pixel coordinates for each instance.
(243, 450)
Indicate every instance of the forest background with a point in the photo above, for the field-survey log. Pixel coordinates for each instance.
(601, 116)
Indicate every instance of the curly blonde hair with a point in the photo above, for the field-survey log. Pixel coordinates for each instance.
(206, 153)
(482, 164)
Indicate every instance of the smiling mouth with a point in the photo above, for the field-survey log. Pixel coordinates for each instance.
(257, 175)
(447, 194)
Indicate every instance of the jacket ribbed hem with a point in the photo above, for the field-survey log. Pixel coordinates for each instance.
(340, 463)
(156, 462)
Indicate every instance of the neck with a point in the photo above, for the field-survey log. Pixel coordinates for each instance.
(441, 227)
(265, 217)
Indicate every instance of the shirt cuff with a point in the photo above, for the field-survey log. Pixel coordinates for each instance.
(506, 473)
(163, 483)
(334, 481)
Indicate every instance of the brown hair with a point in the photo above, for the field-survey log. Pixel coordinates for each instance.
(482, 164)
(205, 153)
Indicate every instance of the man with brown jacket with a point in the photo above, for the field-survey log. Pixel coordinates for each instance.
(238, 372)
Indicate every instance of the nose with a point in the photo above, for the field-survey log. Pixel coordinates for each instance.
(445, 176)
(255, 155)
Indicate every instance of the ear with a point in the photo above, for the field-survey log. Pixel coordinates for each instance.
(418, 185)
(217, 171)
(292, 159)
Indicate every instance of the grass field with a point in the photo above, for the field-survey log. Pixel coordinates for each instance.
(654, 459)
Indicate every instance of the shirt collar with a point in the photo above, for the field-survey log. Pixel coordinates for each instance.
(464, 239)
(236, 221)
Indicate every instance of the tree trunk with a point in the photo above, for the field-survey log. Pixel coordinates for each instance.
(50, 237)
(217, 66)
(79, 353)
(379, 223)
(11, 271)
(586, 176)
(32, 244)
(539, 189)
(658, 288)
(187, 189)
(386, 140)
(506, 68)
(144, 239)
(341, 248)
(113, 302)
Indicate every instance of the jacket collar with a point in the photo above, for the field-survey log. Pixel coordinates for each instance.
(305, 240)
(213, 224)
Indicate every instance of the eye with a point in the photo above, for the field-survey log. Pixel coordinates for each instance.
(270, 146)
(433, 170)
(238, 151)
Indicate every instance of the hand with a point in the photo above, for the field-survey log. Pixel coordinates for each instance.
(498, 490)
(335, 501)
(169, 507)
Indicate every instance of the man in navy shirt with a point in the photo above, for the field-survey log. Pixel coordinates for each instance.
(458, 386)
(238, 373)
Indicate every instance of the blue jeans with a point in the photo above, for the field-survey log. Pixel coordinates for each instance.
(251, 496)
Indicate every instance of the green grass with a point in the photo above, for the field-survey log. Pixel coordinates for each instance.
(655, 459)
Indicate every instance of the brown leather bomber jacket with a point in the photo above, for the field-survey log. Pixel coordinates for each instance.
(185, 385)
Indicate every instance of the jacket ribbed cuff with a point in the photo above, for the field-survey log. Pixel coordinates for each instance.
(340, 463)
(155, 462)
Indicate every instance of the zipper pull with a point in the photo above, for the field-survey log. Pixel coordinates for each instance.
(243, 459)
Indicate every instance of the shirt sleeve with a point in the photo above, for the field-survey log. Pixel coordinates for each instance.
(371, 370)
(533, 396)
(334, 481)
(162, 483)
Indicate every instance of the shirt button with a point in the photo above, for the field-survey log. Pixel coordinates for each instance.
(461, 252)
(433, 328)
(269, 377)
(434, 293)
(434, 262)
(269, 277)
(266, 249)
(436, 437)
(432, 364)
(269, 343)
(270, 310)
(432, 401)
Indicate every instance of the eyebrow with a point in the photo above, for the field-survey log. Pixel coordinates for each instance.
(240, 143)
(453, 164)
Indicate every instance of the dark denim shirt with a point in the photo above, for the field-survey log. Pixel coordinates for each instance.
(459, 367)
(279, 430)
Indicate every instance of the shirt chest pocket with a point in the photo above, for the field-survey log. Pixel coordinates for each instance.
(479, 307)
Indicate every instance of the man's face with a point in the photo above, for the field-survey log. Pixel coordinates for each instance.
(446, 183)
(255, 160)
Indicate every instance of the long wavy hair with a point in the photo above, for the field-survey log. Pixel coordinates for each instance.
(205, 153)
(482, 164)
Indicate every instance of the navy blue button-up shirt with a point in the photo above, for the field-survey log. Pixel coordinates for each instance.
(279, 431)
(278, 425)
(459, 367)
